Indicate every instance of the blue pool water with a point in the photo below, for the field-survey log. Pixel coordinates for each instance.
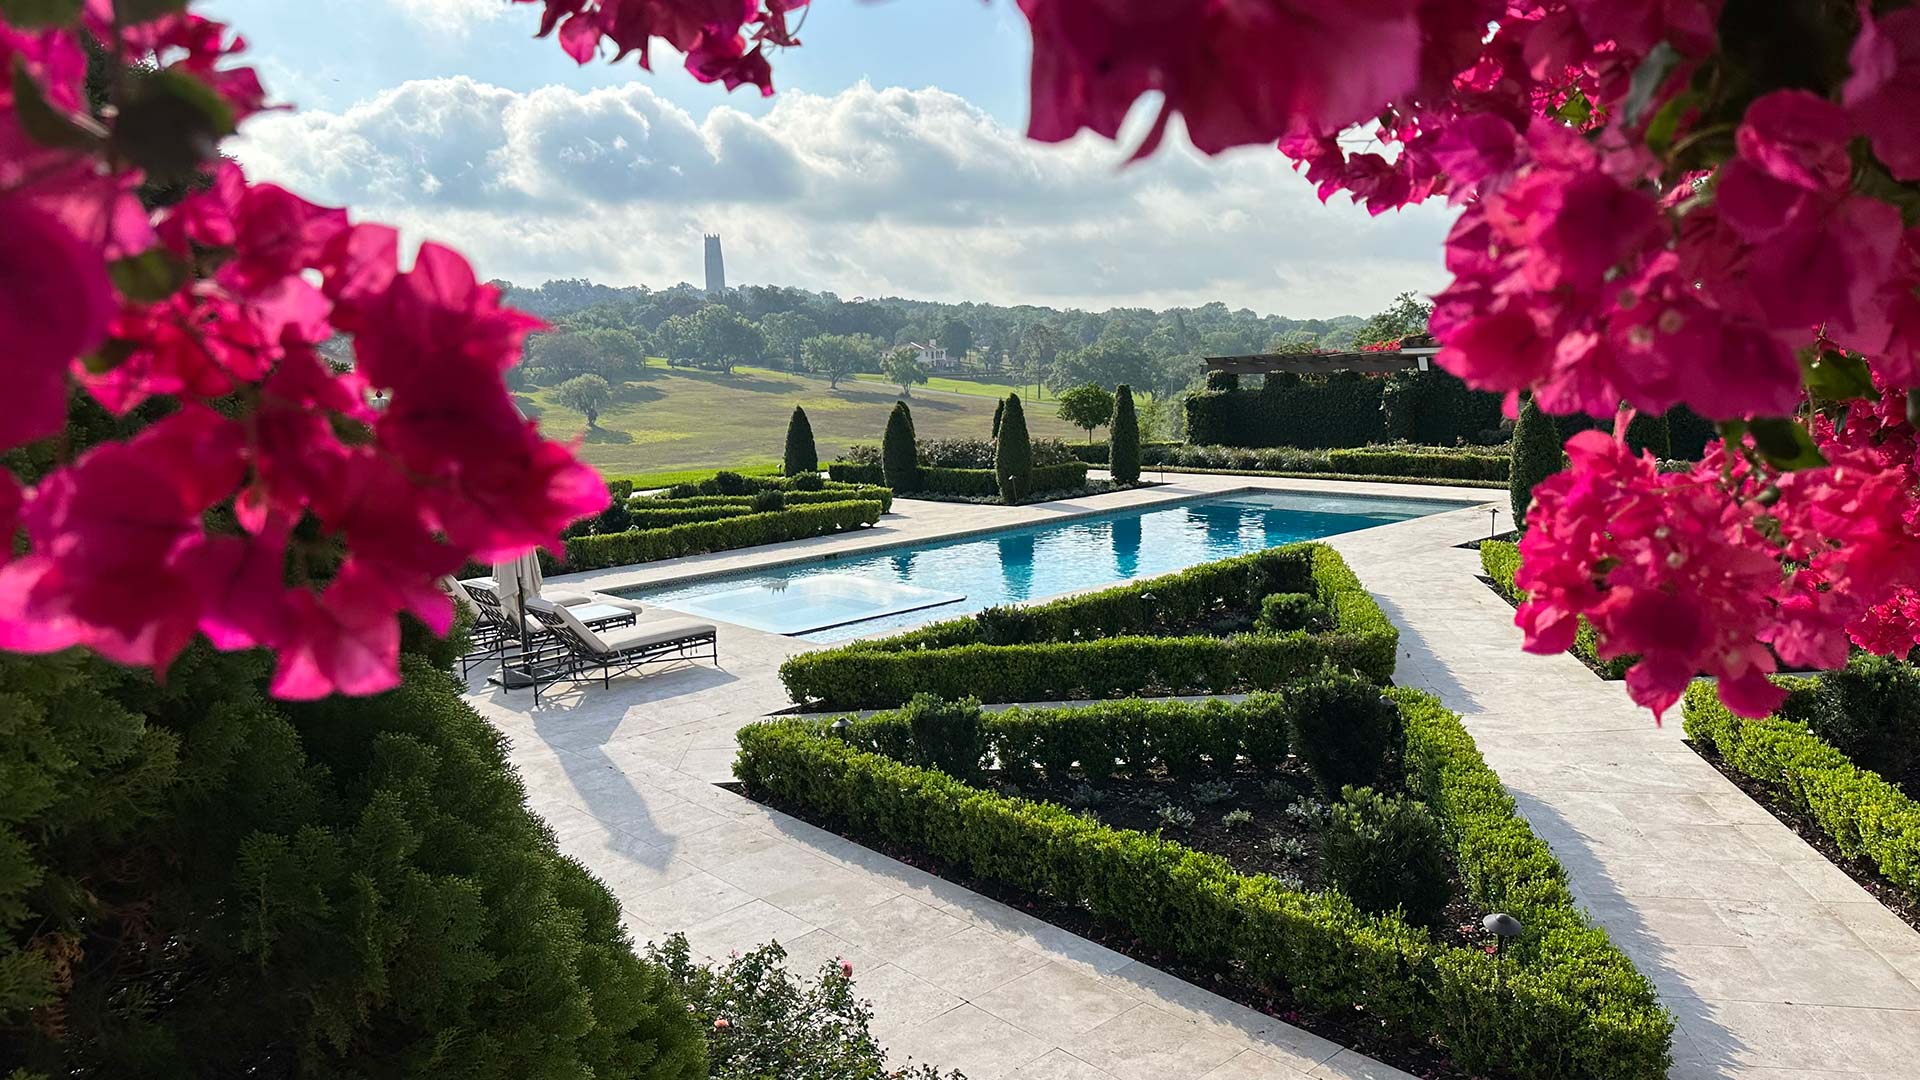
(893, 589)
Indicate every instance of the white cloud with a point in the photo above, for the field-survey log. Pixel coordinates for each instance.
(453, 17)
(867, 192)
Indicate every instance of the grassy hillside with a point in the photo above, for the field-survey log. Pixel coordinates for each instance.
(675, 418)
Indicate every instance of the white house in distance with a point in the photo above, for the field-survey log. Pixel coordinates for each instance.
(933, 356)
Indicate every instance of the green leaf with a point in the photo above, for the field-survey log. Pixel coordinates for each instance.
(150, 276)
(139, 11)
(36, 14)
(171, 123)
(111, 354)
(1667, 120)
(45, 124)
(1837, 376)
(1647, 80)
(1577, 110)
(1785, 444)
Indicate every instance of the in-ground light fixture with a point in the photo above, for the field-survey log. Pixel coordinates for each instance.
(1504, 928)
(1493, 515)
(840, 727)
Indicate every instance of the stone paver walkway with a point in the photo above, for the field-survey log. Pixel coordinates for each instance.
(625, 775)
(1775, 963)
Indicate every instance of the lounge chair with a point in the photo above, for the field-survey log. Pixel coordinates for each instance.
(504, 631)
(617, 650)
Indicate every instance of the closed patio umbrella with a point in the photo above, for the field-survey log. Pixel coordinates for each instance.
(517, 581)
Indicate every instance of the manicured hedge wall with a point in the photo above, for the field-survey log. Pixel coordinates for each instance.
(1867, 817)
(1562, 1004)
(1432, 462)
(836, 492)
(855, 472)
(1098, 453)
(747, 530)
(1348, 409)
(1500, 561)
(1100, 644)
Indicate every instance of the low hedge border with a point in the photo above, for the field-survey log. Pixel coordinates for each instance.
(831, 493)
(1103, 644)
(1500, 561)
(965, 482)
(1562, 1003)
(698, 538)
(1867, 817)
(1447, 465)
(855, 472)
(1358, 478)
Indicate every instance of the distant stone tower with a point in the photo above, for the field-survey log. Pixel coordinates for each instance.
(716, 268)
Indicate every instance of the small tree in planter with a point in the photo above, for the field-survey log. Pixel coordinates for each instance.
(1123, 441)
(1087, 407)
(1537, 454)
(899, 453)
(802, 459)
(1013, 454)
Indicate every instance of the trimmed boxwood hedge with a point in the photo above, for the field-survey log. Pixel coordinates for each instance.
(1562, 1003)
(1437, 462)
(1867, 817)
(697, 538)
(857, 472)
(1103, 644)
(1500, 561)
(832, 493)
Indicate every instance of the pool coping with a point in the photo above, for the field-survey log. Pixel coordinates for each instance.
(642, 575)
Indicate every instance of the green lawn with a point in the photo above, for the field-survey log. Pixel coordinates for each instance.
(684, 419)
(982, 387)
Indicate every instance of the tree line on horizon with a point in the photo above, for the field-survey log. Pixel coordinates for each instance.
(609, 332)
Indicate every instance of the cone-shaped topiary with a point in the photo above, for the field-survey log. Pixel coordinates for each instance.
(999, 411)
(899, 454)
(1537, 454)
(1123, 439)
(802, 458)
(1013, 453)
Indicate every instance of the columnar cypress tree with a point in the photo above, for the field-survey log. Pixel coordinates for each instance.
(999, 411)
(1650, 431)
(1123, 439)
(1013, 453)
(899, 453)
(1537, 454)
(802, 458)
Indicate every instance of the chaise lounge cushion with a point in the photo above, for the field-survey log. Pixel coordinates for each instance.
(658, 632)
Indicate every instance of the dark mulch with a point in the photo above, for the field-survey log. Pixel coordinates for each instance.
(1891, 896)
(1274, 842)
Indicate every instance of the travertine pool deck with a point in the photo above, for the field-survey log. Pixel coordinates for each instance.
(1774, 962)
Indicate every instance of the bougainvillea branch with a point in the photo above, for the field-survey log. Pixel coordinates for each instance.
(278, 501)
(1664, 202)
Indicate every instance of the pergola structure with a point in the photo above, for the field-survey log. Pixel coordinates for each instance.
(1414, 354)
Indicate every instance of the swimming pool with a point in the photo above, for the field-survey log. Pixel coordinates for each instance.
(896, 588)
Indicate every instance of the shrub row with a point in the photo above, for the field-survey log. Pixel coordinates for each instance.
(1434, 462)
(1500, 561)
(978, 453)
(1099, 453)
(1561, 1004)
(833, 492)
(1347, 409)
(1867, 816)
(1096, 645)
(981, 482)
(857, 472)
(696, 538)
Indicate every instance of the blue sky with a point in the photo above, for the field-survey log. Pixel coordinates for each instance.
(890, 162)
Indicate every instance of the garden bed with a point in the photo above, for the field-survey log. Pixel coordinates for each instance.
(1808, 764)
(1501, 561)
(1252, 622)
(1560, 1003)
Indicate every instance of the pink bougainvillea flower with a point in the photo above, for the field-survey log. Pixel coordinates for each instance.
(343, 641)
(55, 303)
(1798, 138)
(1883, 95)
